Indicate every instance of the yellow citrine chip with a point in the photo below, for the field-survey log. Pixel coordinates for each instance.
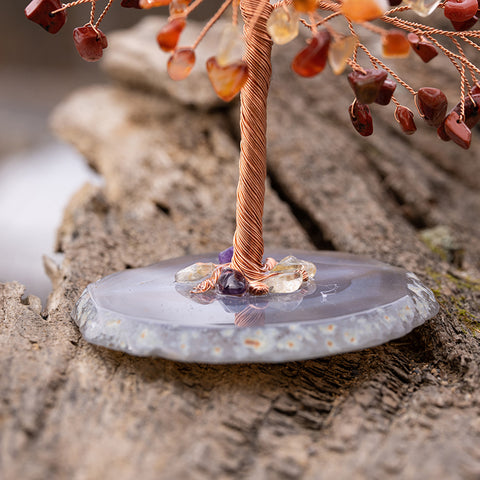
(339, 53)
(282, 24)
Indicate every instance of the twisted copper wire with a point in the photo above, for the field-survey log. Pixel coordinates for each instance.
(68, 5)
(210, 23)
(210, 282)
(248, 238)
(105, 10)
(92, 12)
(250, 317)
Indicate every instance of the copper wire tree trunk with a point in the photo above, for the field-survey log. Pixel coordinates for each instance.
(248, 238)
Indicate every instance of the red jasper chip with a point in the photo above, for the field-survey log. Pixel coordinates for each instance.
(467, 25)
(311, 60)
(460, 10)
(404, 117)
(471, 109)
(386, 91)
(169, 34)
(457, 130)
(432, 105)
(475, 89)
(423, 48)
(367, 85)
(442, 134)
(39, 11)
(89, 43)
(130, 4)
(361, 118)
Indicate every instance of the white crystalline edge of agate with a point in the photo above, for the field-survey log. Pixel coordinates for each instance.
(266, 344)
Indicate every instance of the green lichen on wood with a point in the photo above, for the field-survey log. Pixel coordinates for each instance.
(441, 241)
(456, 295)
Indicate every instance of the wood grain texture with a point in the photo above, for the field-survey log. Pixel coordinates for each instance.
(409, 409)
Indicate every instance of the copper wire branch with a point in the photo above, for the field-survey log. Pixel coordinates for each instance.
(211, 22)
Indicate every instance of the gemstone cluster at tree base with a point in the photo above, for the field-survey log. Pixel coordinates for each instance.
(287, 276)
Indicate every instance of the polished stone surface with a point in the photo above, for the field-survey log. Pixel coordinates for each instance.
(352, 303)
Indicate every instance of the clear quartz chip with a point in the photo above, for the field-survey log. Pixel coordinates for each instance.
(287, 282)
(195, 272)
(293, 263)
(424, 8)
(231, 46)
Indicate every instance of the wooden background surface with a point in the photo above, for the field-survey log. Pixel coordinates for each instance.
(168, 155)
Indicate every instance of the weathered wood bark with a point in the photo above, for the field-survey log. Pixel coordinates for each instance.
(408, 409)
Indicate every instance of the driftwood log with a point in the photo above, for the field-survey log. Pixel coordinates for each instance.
(168, 155)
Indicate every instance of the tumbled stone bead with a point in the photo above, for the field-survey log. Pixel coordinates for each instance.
(283, 23)
(89, 43)
(231, 45)
(339, 52)
(395, 44)
(386, 91)
(363, 10)
(305, 6)
(442, 134)
(467, 25)
(460, 10)
(169, 34)
(471, 109)
(40, 12)
(130, 4)
(293, 263)
(227, 81)
(311, 60)
(146, 4)
(180, 64)
(423, 7)
(284, 282)
(361, 118)
(432, 105)
(394, 3)
(195, 272)
(225, 256)
(423, 48)
(367, 85)
(475, 89)
(178, 6)
(457, 130)
(231, 282)
(405, 118)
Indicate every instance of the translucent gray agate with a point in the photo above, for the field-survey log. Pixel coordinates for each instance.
(353, 303)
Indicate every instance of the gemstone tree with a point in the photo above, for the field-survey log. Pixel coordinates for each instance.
(242, 63)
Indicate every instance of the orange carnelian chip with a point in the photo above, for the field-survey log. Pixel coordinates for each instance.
(180, 64)
(305, 6)
(395, 44)
(177, 7)
(228, 80)
(363, 10)
(169, 34)
(153, 3)
(311, 60)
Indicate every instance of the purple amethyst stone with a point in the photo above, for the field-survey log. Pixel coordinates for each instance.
(225, 256)
(231, 282)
